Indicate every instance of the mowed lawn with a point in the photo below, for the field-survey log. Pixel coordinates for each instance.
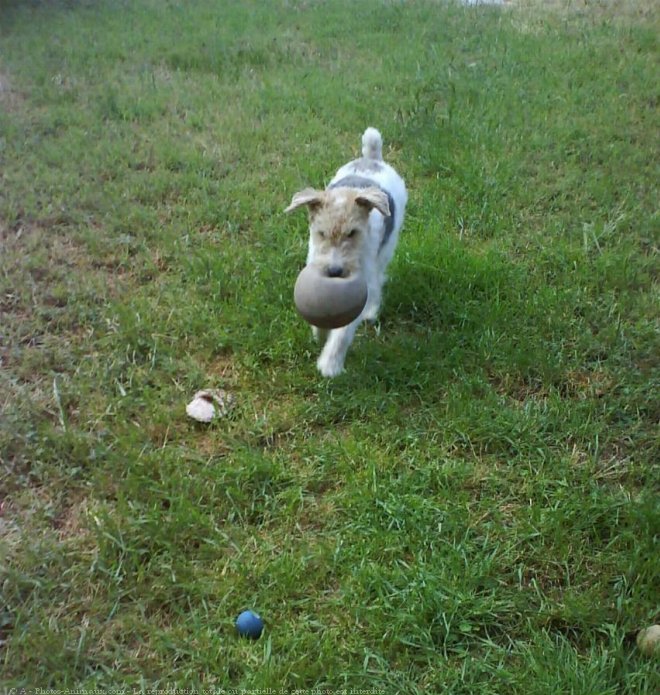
(472, 507)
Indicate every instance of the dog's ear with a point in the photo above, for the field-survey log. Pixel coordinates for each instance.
(372, 198)
(310, 197)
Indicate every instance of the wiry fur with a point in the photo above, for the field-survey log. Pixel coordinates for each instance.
(347, 235)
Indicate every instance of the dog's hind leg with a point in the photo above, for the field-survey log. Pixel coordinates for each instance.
(372, 308)
(320, 334)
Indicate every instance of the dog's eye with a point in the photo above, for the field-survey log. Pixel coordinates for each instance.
(352, 233)
(321, 234)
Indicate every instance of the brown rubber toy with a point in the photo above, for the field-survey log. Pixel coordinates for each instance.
(328, 302)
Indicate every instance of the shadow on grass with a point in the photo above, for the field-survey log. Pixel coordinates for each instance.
(463, 314)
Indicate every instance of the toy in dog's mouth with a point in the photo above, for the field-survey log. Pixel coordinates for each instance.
(329, 302)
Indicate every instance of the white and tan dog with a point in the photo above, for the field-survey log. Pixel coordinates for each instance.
(354, 228)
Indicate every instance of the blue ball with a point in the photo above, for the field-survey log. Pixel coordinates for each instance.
(250, 625)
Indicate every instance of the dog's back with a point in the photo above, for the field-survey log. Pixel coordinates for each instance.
(370, 169)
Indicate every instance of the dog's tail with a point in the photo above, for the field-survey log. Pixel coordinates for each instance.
(372, 144)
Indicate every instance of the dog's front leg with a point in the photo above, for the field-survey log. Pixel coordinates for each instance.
(331, 360)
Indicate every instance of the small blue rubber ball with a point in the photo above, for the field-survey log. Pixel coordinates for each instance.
(249, 624)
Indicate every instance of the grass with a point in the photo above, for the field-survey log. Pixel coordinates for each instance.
(472, 507)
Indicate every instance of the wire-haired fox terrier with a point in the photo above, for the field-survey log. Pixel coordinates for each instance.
(354, 227)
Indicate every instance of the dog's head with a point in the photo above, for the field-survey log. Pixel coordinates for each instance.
(339, 225)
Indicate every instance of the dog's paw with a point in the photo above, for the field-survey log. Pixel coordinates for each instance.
(371, 311)
(329, 367)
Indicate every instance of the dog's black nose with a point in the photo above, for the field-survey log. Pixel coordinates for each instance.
(335, 271)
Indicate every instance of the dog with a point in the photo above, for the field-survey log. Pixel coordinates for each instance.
(354, 227)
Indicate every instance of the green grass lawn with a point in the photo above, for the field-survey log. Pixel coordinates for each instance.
(472, 507)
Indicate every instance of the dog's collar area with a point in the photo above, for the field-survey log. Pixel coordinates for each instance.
(363, 182)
